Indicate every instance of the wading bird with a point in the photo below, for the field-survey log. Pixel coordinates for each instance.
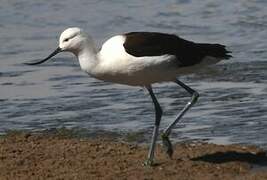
(141, 59)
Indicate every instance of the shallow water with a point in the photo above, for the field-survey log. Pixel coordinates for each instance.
(233, 103)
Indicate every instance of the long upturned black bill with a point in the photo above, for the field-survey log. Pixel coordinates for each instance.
(58, 50)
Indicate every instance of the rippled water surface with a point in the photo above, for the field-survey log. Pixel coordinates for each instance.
(233, 103)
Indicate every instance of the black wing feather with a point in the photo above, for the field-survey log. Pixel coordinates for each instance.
(187, 53)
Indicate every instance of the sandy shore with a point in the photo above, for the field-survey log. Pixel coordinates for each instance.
(43, 156)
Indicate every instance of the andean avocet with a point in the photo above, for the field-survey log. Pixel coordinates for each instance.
(141, 59)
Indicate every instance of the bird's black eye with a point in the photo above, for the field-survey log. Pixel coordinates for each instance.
(66, 40)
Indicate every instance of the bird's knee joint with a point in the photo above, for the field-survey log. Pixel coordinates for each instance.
(158, 117)
(195, 95)
(158, 111)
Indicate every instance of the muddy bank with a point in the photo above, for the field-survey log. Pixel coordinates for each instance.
(44, 156)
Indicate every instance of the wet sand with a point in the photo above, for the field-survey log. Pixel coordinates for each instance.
(50, 156)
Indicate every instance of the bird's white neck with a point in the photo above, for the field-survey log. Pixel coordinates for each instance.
(88, 57)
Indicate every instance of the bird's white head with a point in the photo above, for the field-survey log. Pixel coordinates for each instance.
(72, 40)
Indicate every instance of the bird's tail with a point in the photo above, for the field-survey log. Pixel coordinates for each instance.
(216, 50)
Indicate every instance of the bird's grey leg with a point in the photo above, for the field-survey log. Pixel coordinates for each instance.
(158, 112)
(165, 135)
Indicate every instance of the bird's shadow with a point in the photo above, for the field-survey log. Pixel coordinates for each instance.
(259, 159)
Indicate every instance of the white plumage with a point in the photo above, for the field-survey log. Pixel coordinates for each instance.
(114, 64)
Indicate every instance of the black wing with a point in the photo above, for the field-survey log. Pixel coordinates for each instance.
(155, 44)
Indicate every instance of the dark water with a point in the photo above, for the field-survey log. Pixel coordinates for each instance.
(233, 103)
